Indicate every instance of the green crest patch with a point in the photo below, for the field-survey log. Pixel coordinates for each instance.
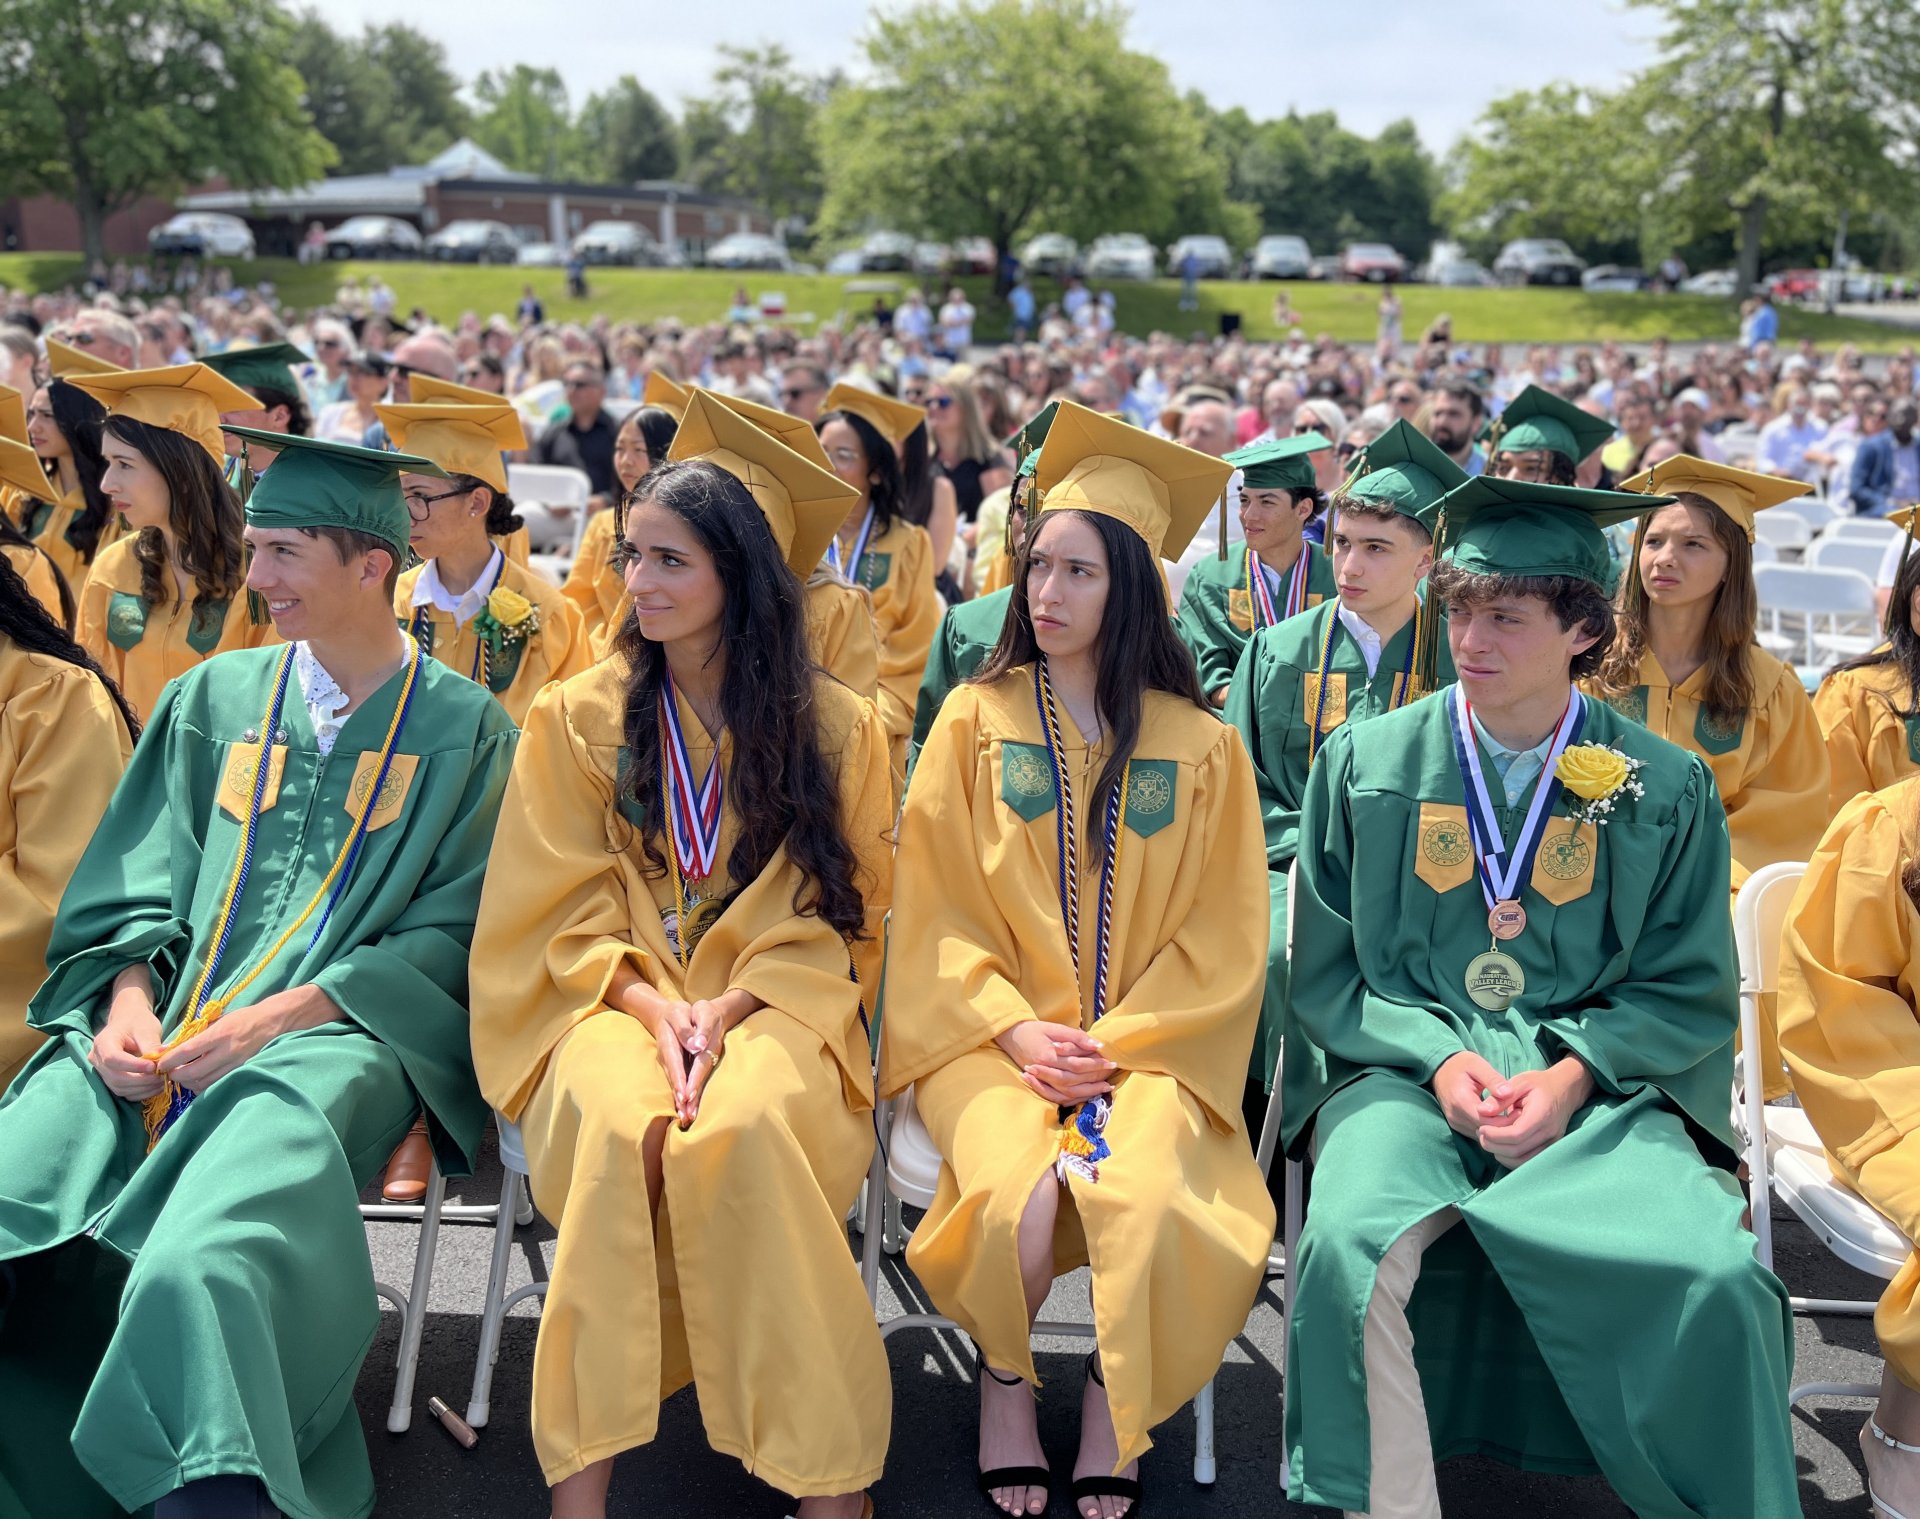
(203, 627)
(1913, 739)
(126, 620)
(873, 570)
(1150, 795)
(1633, 704)
(630, 806)
(1026, 779)
(503, 662)
(1717, 735)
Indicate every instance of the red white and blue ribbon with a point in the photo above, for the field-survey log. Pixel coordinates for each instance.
(1260, 588)
(694, 813)
(1501, 873)
(850, 568)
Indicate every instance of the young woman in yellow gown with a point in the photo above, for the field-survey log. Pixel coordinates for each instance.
(1076, 960)
(1869, 707)
(691, 860)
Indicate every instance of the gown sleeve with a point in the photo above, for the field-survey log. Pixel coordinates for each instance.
(1260, 705)
(1203, 627)
(1846, 1012)
(942, 675)
(582, 585)
(840, 630)
(1782, 806)
(905, 625)
(1841, 706)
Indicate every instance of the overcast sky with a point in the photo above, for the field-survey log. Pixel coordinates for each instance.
(1372, 63)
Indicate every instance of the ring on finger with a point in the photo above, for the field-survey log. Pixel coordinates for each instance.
(712, 1059)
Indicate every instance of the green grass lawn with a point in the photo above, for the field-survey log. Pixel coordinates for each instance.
(1345, 311)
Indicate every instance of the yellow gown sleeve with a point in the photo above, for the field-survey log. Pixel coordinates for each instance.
(90, 626)
(1193, 1012)
(1847, 989)
(840, 631)
(953, 960)
(582, 585)
(906, 614)
(1782, 803)
(517, 546)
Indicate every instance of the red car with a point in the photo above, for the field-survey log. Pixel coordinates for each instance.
(1795, 285)
(1372, 261)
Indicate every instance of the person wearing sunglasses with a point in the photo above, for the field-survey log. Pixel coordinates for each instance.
(585, 441)
(802, 388)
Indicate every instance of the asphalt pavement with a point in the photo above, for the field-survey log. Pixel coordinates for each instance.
(423, 1474)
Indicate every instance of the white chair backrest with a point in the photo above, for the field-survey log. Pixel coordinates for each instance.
(1870, 529)
(1760, 918)
(548, 484)
(1764, 552)
(1861, 554)
(1783, 529)
(1815, 512)
(1805, 588)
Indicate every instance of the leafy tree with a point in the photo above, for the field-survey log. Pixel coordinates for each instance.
(755, 136)
(386, 97)
(1311, 176)
(626, 135)
(526, 121)
(106, 101)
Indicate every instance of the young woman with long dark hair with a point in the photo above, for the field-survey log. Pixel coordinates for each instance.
(77, 521)
(692, 860)
(593, 585)
(1869, 707)
(1076, 960)
(65, 737)
(879, 549)
(172, 593)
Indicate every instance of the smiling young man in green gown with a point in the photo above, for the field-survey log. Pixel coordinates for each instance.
(1509, 1043)
(182, 1321)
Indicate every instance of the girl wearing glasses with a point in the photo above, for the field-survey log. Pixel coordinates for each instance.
(468, 604)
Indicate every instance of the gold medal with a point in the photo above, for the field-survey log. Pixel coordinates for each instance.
(1508, 920)
(1495, 981)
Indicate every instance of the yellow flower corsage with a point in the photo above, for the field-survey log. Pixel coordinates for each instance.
(513, 617)
(1598, 774)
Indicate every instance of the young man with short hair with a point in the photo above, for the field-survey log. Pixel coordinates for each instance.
(1345, 662)
(1512, 1007)
(259, 974)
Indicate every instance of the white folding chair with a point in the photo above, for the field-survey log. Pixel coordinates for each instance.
(1740, 444)
(1787, 532)
(1764, 552)
(552, 498)
(1831, 610)
(1870, 529)
(515, 1208)
(1813, 510)
(906, 1169)
(1832, 552)
(1784, 1155)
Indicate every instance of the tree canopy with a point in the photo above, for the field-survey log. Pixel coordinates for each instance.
(383, 98)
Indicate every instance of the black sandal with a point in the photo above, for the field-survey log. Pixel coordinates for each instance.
(1105, 1487)
(1011, 1476)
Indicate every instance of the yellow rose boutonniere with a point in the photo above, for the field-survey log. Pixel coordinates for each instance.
(1598, 774)
(510, 616)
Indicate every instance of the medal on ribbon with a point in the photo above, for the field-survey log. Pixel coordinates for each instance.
(850, 567)
(693, 827)
(1495, 980)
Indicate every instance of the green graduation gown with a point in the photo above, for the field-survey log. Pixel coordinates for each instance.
(1274, 699)
(1216, 615)
(967, 635)
(1626, 1324)
(221, 1323)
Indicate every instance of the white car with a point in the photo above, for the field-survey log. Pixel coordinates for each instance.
(1721, 282)
(1281, 257)
(203, 234)
(1121, 256)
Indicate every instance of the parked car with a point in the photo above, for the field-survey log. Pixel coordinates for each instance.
(1051, 253)
(973, 255)
(1282, 257)
(617, 242)
(475, 242)
(846, 261)
(1467, 273)
(1328, 266)
(541, 255)
(1616, 278)
(202, 234)
(1794, 284)
(748, 250)
(1120, 256)
(886, 253)
(375, 237)
(1721, 282)
(1212, 257)
(1376, 263)
(1538, 261)
(931, 259)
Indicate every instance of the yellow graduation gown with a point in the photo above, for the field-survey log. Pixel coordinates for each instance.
(1178, 1226)
(1770, 770)
(1849, 987)
(555, 651)
(897, 572)
(62, 749)
(744, 1284)
(144, 647)
(51, 534)
(34, 567)
(597, 593)
(1870, 745)
(517, 546)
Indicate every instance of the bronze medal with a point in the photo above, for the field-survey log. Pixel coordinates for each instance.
(1508, 920)
(1495, 981)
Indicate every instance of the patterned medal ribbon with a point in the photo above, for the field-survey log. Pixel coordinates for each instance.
(422, 629)
(1500, 874)
(162, 1109)
(693, 818)
(850, 567)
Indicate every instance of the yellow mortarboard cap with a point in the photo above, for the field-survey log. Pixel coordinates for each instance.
(462, 440)
(798, 435)
(1906, 519)
(183, 398)
(426, 389)
(1740, 493)
(66, 361)
(803, 503)
(669, 395)
(893, 420)
(1162, 490)
(19, 468)
(13, 414)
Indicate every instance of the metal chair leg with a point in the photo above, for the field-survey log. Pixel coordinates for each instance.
(480, 1402)
(413, 1319)
(1205, 1467)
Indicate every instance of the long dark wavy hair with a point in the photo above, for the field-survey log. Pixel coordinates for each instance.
(79, 418)
(1137, 651)
(886, 486)
(1903, 644)
(1730, 623)
(12, 538)
(205, 515)
(28, 625)
(779, 784)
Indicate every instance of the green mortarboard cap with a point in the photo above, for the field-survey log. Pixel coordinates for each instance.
(1280, 464)
(1026, 442)
(1538, 418)
(268, 364)
(319, 484)
(1403, 470)
(1512, 527)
